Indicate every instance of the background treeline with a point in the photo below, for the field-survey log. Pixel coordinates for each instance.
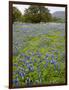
(34, 14)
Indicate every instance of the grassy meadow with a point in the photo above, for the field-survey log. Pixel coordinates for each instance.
(38, 54)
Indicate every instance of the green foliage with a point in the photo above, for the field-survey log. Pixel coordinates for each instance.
(23, 18)
(58, 20)
(16, 14)
(37, 14)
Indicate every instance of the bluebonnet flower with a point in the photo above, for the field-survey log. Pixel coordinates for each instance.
(47, 55)
(35, 60)
(22, 54)
(22, 74)
(52, 56)
(47, 61)
(27, 57)
(56, 65)
(31, 68)
(28, 63)
(24, 61)
(53, 62)
(16, 81)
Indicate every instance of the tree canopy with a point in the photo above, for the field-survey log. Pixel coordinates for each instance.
(33, 14)
(16, 14)
(36, 14)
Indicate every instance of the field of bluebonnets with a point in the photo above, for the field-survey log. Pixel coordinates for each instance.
(38, 54)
